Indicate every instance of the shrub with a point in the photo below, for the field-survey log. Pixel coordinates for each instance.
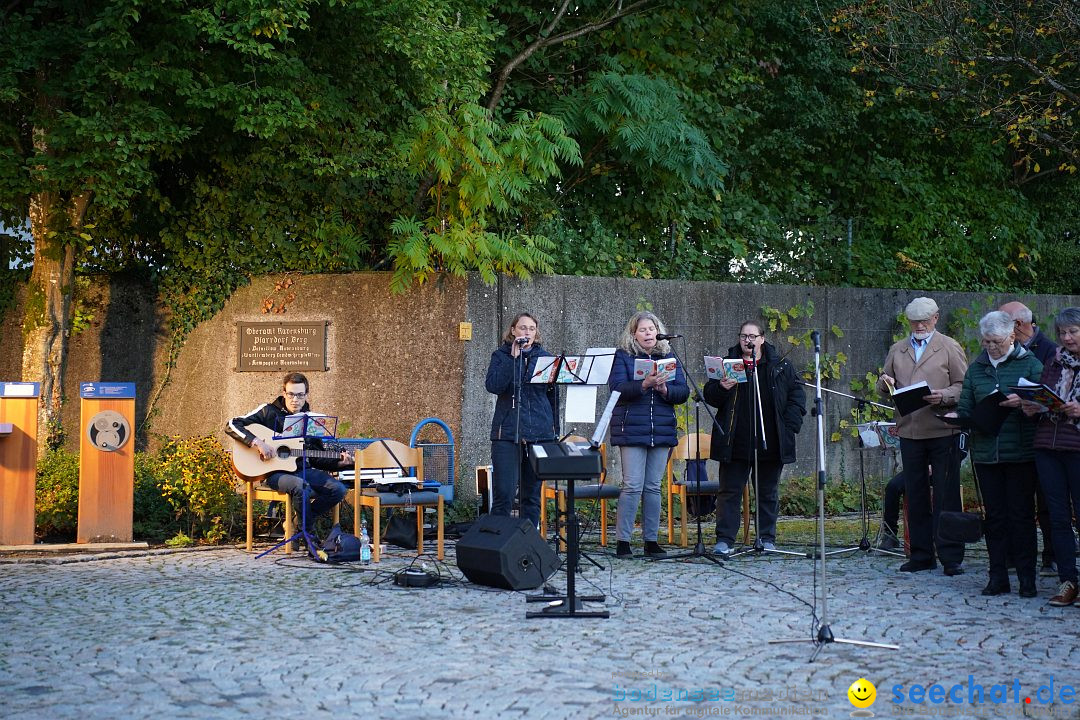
(56, 503)
(196, 480)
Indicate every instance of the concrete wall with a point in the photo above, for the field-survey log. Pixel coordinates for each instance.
(577, 312)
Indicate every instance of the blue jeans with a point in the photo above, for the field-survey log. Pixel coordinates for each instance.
(511, 474)
(325, 491)
(642, 468)
(733, 477)
(1059, 475)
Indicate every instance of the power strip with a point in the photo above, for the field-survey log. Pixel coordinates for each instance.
(411, 577)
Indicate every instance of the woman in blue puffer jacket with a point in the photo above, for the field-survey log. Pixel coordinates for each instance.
(512, 364)
(643, 426)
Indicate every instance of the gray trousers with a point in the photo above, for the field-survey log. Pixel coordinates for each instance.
(642, 468)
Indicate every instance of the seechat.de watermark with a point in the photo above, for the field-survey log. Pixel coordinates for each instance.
(1011, 692)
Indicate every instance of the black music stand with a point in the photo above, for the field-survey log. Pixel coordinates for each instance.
(305, 426)
(569, 605)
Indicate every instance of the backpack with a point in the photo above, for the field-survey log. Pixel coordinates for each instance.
(340, 546)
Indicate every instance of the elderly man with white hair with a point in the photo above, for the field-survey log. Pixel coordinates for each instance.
(927, 442)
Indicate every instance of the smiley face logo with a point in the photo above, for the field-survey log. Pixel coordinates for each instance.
(862, 694)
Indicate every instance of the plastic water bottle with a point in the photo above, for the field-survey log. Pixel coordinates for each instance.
(365, 544)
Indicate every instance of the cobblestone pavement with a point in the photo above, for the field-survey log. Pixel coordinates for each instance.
(221, 634)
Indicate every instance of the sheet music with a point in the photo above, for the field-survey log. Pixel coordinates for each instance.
(580, 404)
(601, 366)
(605, 420)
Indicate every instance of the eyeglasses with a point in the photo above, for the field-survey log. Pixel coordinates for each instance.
(751, 338)
(296, 396)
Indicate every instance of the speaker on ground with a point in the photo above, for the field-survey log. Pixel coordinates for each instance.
(505, 552)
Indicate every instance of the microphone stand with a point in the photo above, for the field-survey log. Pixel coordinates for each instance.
(823, 634)
(699, 550)
(864, 542)
(757, 439)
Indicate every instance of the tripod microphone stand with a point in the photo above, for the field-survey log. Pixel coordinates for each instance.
(823, 634)
(699, 550)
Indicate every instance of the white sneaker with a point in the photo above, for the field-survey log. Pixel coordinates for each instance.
(721, 548)
(765, 545)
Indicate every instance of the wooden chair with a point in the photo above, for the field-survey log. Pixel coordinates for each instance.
(600, 491)
(690, 447)
(394, 456)
(255, 490)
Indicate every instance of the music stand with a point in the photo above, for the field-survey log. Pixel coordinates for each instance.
(305, 426)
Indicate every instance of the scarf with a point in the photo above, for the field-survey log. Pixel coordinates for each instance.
(1068, 387)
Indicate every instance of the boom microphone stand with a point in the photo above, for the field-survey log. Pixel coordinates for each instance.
(699, 550)
(823, 634)
(864, 542)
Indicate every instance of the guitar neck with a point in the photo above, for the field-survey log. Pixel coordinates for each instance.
(314, 453)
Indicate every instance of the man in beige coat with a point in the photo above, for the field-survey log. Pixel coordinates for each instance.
(926, 441)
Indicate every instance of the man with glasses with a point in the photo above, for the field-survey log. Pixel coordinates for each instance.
(928, 443)
(763, 414)
(325, 491)
(1032, 338)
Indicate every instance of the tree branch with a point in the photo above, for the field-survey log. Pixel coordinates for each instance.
(547, 40)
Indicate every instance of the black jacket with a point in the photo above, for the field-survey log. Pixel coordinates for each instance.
(539, 401)
(1043, 347)
(272, 415)
(789, 402)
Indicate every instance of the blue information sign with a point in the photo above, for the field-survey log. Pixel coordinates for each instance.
(106, 390)
(20, 389)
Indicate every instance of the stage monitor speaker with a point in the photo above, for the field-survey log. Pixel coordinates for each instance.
(505, 552)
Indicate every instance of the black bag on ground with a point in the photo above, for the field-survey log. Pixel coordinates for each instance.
(957, 526)
(340, 546)
(401, 530)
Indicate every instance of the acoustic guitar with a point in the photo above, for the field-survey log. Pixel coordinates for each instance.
(249, 464)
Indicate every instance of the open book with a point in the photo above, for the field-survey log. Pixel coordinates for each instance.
(987, 416)
(665, 368)
(1041, 394)
(910, 398)
(718, 368)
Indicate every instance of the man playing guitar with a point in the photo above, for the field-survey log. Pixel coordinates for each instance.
(255, 429)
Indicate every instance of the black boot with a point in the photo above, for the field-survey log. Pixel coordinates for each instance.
(653, 549)
(622, 549)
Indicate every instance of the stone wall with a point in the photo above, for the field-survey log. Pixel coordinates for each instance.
(396, 359)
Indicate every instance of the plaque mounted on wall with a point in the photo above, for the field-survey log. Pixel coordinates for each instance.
(277, 346)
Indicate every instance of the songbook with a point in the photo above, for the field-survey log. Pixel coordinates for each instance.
(719, 368)
(665, 368)
(910, 398)
(309, 425)
(879, 434)
(986, 417)
(563, 369)
(1039, 393)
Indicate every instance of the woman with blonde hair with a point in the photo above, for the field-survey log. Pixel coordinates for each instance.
(643, 426)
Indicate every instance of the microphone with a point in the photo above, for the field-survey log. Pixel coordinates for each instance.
(816, 337)
(662, 336)
(522, 341)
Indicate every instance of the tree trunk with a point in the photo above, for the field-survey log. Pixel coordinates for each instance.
(46, 319)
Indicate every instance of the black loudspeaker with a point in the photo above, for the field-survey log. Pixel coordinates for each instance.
(505, 552)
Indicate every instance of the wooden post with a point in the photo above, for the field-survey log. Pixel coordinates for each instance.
(18, 461)
(106, 462)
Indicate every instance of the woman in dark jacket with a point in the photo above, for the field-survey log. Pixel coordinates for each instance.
(1005, 461)
(512, 364)
(1057, 449)
(782, 406)
(643, 426)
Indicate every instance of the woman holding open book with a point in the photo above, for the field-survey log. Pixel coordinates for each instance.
(1057, 447)
(1001, 450)
(651, 383)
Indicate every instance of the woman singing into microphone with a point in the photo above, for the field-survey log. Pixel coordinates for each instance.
(524, 413)
(643, 426)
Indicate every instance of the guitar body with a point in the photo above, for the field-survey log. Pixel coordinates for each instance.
(248, 463)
